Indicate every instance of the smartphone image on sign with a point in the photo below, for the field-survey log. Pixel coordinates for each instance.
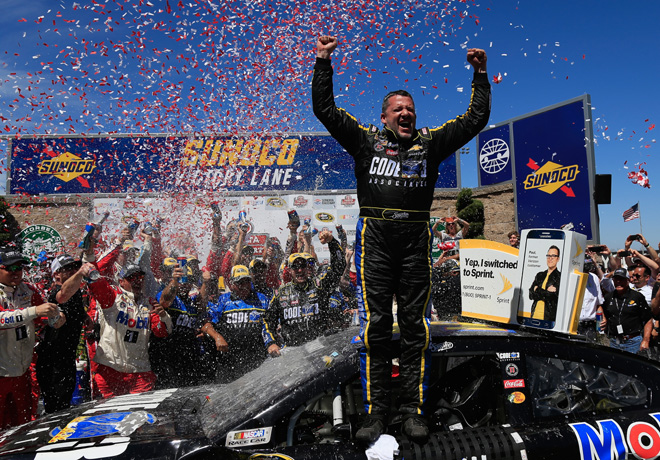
(541, 278)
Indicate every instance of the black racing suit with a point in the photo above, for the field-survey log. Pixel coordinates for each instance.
(56, 364)
(395, 184)
(304, 311)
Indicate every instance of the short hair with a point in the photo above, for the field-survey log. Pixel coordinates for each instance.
(512, 233)
(647, 270)
(398, 92)
(555, 247)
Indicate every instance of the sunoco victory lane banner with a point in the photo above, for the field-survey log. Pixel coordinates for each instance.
(121, 164)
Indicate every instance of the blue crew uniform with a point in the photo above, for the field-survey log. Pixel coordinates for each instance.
(176, 359)
(240, 324)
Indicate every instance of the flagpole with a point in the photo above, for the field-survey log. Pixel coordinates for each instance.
(640, 219)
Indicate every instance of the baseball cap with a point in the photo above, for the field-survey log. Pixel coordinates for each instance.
(247, 248)
(128, 244)
(63, 261)
(238, 272)
(169, 262)
(258, 264)
(300, 255)
(10, 256)
(129, 270)
(621, 272)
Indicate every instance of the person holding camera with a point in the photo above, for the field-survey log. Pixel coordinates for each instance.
(593, 299)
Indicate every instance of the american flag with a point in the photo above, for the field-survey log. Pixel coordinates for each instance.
(632, 213)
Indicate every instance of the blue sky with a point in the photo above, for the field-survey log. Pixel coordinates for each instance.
(129, 66)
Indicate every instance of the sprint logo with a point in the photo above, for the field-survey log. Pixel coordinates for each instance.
(551, 177)
(506, 284)
(66, 166)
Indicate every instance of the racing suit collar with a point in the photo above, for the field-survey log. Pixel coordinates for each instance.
(8, 289)
(392, 136)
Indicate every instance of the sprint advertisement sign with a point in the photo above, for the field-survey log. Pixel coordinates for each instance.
(166, 163)
(489, 288)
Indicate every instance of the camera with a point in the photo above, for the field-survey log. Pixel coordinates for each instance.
(624, 253)
(597, 249)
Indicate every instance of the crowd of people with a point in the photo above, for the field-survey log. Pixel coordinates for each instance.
(152, 317)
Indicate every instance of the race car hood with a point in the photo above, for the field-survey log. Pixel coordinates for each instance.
(180, 420)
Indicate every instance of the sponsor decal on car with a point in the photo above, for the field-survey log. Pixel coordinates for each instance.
(92, 426)
(444, 346)
(511, 369)
(514, 383)
(249, 437)
(513, 356)
(608, 441)
(517, 397)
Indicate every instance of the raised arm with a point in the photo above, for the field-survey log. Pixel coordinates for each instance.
(325, 45)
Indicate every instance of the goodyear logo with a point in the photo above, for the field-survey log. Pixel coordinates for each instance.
(275, 202)
(551, 177)
(324, 217)
(66, 166)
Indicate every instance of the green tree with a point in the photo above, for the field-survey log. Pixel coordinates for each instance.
(9, 227)
(472, 211)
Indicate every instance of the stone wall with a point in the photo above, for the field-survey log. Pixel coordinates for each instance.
(68, 214)
(499, 210)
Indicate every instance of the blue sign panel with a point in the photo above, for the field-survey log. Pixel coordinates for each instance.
(174, 163)
(495, 156)
(552, 169)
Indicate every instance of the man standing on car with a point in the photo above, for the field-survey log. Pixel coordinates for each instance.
(396, 169)
(627, 315)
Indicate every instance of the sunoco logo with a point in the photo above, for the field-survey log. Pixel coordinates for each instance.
(324, 217)
(275, 202)
(550, 177)
(300, 201)
(66, 166)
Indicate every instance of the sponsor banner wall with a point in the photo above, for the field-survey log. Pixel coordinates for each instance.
(186, 226)
(129, 164)
(489, 274)
(549, 155)
(552, 169)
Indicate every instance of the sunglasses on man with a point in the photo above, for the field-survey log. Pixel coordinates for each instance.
(12, 268)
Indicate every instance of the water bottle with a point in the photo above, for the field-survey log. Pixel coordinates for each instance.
(54, 319)
(148, 228)
(293, 216)
(242, 218)
(183, 262)
(599, 318)
(133, 225)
